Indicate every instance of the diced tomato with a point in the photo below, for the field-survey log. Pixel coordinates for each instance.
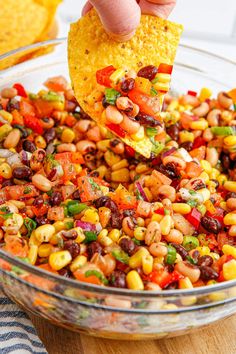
(199, 141)
(199, 153)
(34, 124)
(43, 108)
(163, 278)
(18, 192)
(77, 157)
(17, 118)
(103, 75)
(185, 120)
(26, 109)
(89, 190)
(147, 104)
(232, 94)
(143, 208)
(219, 214)
(194, 217)
(40, 211)
(5, 265)
(65, 159)
(193, 169)
(92, 279)
(57, 83)
(165, 68)
(20, 90)
(16, 246)
(160, 211)
(115, 128)
(70, 120)
(123, 198)
(130, 151)
(223, 239)
(192, 93)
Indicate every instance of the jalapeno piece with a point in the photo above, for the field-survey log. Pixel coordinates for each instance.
(190, 242)
(171, 255)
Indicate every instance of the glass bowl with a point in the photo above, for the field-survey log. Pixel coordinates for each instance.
(110, 312)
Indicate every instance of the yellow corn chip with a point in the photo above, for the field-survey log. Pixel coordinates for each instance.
(90, 49)
(51, 6)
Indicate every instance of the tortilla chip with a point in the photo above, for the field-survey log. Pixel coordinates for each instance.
(51, 6)
(91, 48)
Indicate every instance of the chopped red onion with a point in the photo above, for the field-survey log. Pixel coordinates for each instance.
(141, 191)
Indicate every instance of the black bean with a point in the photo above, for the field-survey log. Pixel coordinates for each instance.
(127, 245)
(145, 119)
(225, 160)
(28, 146)
(207, 273)
(181, 250)
(205, 261)
(38, 202)
(71, 234)
(148, 72)
(41, 220)
(23, 172)
(187, 145)
(127, 85)
(94, 247)
(116, 220)
(104, 102)
(114, 142)
(73, 247)
(173, 132)
(117, 279)
(168, 170)
(169, 267)
(56, 198)
(100, 202)
(49, 135)
(12, 105)
(211, 224)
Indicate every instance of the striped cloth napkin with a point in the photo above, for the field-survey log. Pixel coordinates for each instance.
(17, 334)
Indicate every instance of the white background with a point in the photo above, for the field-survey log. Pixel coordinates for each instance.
(209, 24)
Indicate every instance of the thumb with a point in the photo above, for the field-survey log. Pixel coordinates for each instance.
(120, 18)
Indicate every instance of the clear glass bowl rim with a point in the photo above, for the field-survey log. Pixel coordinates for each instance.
(204, 290)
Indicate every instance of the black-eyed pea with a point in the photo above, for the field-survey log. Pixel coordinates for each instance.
(224, 100)
(153, 233)
(231, 203)
(213, 117)
(128, 226)
(42, 183)
(212, 156)
(66, 147)
(113, 115)
(158, 249)
(116, 302)
(12, 139)
(201, 110)
(129, 125)
(85, 146)
(175, 236)
(166, 191)
(8, 92)
(188, 270)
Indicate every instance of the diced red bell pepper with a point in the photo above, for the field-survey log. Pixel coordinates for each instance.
(33, 123)
(115, 128)
(103, 75)
(192, 93)
(194, 217)
(221, 277)
(199, 141)
(20, 90)
(160, 211)
(130, 151)
(163, 278)
(165, 69)
(147, 104)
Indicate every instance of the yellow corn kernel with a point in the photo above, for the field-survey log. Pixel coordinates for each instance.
(114, 235)
(42, 93)
(229, 250)
(205, 93)
(117, 75)
(157, 217)
(165, 225)
(103, 145)
(147, 264)
(95, 96)
(203, 250)
(161, 77)
(182, 208)
(134, 281)
(205, 194)
(169, 307)
(103, 238)
(185, 283)
(33, 254)
(162, 86)
(142, 168)
(102, 171)
(45, 250)
(90, 215)
(61, 225)
(172, 106)
(230, 186)
(148, 194)
(143, 85)
(188, 300)
(60, 259)
(44, 232)
(229, 270)
(210, 207)
(158, 260)
(230, 219)
(67, 135)
(5, 170)
(4, 131)
(59, 106)
(185, 136)
(217, 296)
(214, 173)
(206, 166)
(139, 233)
(111, 158)
(204, 176)
(230, 140)
(200, 124)
(215, 256)
(78, 262)
(139, 135)
(121, 164)
(80, 238)
(16, 220)
(222, 178)
(78, 168)
(40, 142)
(33, 240)
(211, 185)
(135, 261)
(140, 221)
(121, 175)
(6, 116)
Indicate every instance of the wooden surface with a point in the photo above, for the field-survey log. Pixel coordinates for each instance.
(215, 339)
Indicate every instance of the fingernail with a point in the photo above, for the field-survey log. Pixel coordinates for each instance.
(122, 37)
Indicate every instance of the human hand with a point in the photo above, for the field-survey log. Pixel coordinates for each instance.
(121, 17)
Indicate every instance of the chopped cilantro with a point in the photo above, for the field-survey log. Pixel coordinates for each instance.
(4, 209)
(121, 256)
(192, 192)
(153, 91)
(192, 203)
(27, 190)
(30, 225)
(90, 236)
(94, 185)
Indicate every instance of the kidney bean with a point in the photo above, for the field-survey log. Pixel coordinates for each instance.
(173, 132)
(207, 273)
(22, 172)
(127, 245)
(38, 202)
(73, 247)
(181, 250)
(148, 72)
(211, 224)
(94, 247)
(117, 279)
(71, 234)
(169, 170)
(28, 146)
(127, 85)
(195, 254)
(42, 220)
(187, 145)
(76, 195)
(205, 261)
(100, 202)
(8, 182)
(226, 162)
(145, 119)
(111, 205)
(56, 198)
(116, 220)
(12, 105)
(49, 135)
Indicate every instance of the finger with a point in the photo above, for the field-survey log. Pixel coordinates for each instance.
(119, 17)
(87, 7)
(161, 8)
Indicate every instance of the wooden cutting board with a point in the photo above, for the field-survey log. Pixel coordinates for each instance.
(215, 339)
